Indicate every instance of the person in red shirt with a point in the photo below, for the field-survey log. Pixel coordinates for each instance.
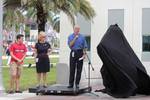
(18, 53)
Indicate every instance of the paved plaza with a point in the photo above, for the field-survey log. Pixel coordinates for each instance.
(85, 96)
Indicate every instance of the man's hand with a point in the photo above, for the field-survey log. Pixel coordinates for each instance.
(73, 41)
(84, 56)
(76, 36)
(84, 53)
(19, 60)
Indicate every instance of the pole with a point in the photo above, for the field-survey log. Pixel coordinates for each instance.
(89, 85)
(1, 46)
(89, 74)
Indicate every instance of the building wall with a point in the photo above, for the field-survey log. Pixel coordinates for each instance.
(132, 28)
(132, 24)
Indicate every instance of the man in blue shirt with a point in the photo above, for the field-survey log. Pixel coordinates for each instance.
(78, 45)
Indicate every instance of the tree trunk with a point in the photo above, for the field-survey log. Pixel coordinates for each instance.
(41, 17)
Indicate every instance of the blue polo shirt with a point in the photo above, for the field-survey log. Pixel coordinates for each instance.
(80, 42)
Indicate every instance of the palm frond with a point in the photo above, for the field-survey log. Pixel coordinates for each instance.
(86, 10)
(50, 8)
(12, 3)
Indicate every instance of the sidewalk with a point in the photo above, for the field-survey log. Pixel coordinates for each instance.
(86, 96)
(17, 96)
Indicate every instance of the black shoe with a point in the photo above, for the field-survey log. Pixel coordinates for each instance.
(11, 92)
(77, 85)
(18, 91)
(44, 86)
(133, 94)
(38, 86)
(70, 86)
(101, 90)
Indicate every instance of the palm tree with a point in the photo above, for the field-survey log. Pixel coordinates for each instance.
(52, 18)
(45, 8)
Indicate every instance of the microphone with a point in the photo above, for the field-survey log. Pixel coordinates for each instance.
(76, 36)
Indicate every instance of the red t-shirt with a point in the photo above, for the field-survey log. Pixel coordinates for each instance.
(18, 50)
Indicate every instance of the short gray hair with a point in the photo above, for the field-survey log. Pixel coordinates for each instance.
(76, 26)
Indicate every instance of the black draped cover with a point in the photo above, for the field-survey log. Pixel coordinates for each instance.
(122, 72)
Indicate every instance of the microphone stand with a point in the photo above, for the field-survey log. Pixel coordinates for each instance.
(89, 74)
(89, 79)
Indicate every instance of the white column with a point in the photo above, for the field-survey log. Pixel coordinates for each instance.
(137, 29)
(65, 30)
(1, 23)
(98, 28)
(62, 72)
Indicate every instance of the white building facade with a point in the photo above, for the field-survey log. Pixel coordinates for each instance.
(133, 16)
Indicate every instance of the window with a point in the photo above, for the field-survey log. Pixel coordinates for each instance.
(88, 40)
(146, 29)
(146, 43)
(146, 34)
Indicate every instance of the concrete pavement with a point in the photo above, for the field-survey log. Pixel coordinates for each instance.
(16, 96)
(86, 96)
